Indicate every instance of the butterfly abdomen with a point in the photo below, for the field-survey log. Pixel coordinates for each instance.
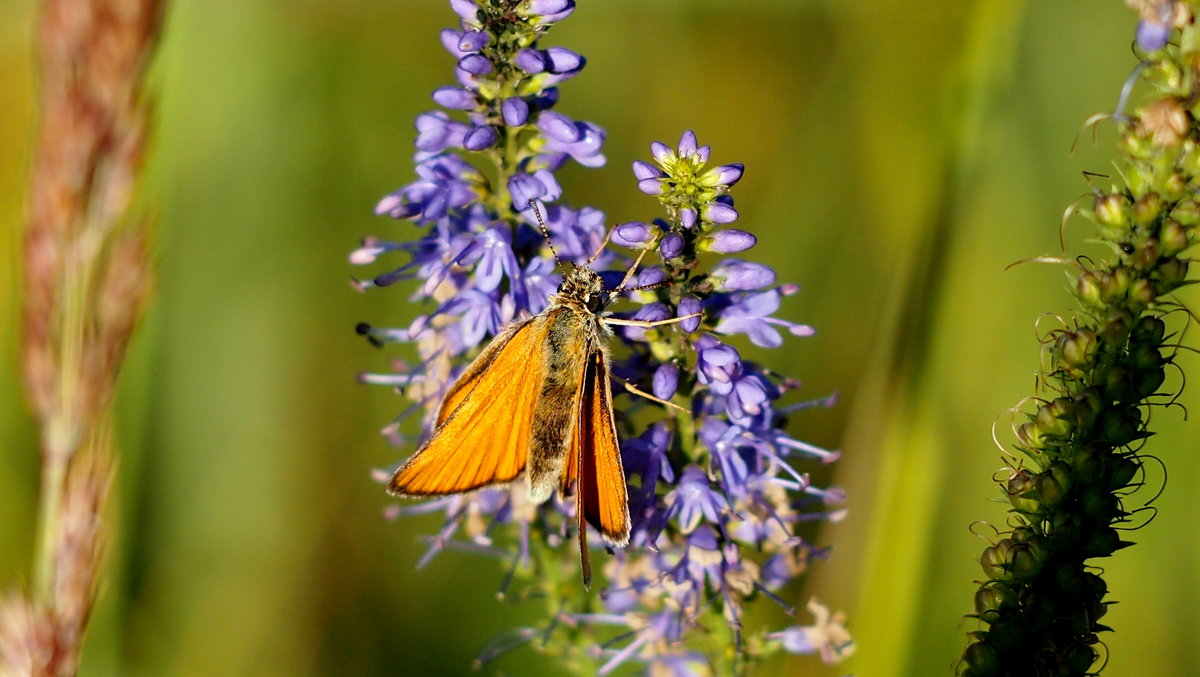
(558, 402)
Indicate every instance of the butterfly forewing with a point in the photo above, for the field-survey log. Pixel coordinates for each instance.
(484, 423)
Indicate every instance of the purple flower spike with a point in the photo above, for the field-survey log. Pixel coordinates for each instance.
(633, 233)
(672, 246)
(720, 212)
(515, 111)
(480, 138)
(665, 381)
(728, 241)
(737, 275)
(473, 41)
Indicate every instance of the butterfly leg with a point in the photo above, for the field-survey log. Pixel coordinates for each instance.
(638, 391)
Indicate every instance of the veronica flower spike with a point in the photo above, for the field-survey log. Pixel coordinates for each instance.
(681, 466)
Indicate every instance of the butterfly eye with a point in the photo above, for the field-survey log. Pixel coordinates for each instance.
(595, 302)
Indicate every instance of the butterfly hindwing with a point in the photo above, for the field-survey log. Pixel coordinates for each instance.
(602, 492)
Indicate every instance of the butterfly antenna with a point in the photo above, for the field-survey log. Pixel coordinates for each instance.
(546, 234)
(632, 269)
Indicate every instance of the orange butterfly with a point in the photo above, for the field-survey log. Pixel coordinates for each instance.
(538, 400)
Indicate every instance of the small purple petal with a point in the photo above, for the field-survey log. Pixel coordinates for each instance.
(515, 111)
(475, 64)
(687, 217)
(719, 212)
(455, 98)
(450, 38)
(743, 275)
(666, 381)
(728, 241)
(467, 10)
(562, 60)
(480, 138)
(645, 170)
(687, 143)
(473, 41)
(725, 175)
(671, 246)
(558, 127)
(650, 275)
(633, 233)
(1152, 35)
(689, 305)
(660, 151)
(543, 7)
(531, 61)
(650, 186)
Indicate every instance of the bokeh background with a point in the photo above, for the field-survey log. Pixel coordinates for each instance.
(899, 155)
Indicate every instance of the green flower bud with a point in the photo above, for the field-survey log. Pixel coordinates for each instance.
(981, 660)
(1026, 559)
(991, 599)
(1099, 504)
(1145, 356)
(994, 560)
(1021, 489)
(1112, 210)
(1173, 238)
(1089, 465)
(1054, 484)
(1103, 542)
(1087, 287)
(1114, 286)
(1142, 292)
(1080, 659)
(1116, 326)
(1174, 187)
(1172, 273)
(1057, 418)
(1187, 212)
(1076, 348)
(1030, 436)
(1146, 209)
(1121, 470)
(1149, 382)
(1119, 426)
(1119, 383)
(1149, 329)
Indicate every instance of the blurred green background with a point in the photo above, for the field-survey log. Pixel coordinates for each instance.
(899, 155)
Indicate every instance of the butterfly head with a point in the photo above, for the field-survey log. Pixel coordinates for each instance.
(583, 285)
